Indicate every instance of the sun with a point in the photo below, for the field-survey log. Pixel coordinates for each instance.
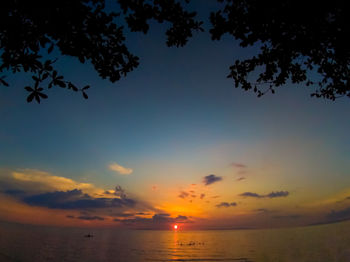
(175, 227)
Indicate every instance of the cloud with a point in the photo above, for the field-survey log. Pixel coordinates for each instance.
(250, 194)
(125, 214)
(240, 178)
(270, 195)
(34, 190)
(263, 210)
(238, 165)
(120, 169)
(277, 194)
(226, 204)
(31, 182)
(14, 192)
(202, 196)
(211, 179)
(90, 218)
(120, 192)
(75, 199)
(183, 194)
(86, 217)
(187, 194)
(343, 214)
(36, 180)
(288, 217)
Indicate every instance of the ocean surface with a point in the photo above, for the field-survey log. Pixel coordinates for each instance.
(313, 244)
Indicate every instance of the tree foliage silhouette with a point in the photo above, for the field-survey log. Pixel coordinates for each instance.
(300, 41)
(83, 29)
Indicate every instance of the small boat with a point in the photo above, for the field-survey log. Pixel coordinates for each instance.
(89, 235)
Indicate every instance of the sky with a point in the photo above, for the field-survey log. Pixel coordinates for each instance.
(173, 143)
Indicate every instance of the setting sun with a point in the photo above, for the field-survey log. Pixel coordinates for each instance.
(175, 227)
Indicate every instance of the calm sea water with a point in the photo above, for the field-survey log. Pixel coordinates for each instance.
(316, 243)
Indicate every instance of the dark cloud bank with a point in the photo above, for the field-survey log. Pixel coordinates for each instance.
(75, 199)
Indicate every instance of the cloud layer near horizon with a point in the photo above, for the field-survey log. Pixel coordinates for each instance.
(78, 202)
(42, 189)
(156, 221)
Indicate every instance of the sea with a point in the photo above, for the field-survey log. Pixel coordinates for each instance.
(319, 243)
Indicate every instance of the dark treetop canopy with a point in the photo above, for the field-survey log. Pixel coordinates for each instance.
(300, 41)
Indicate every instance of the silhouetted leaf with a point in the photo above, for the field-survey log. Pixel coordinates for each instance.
(29, 89)
(45, 76)
(60, 83)
(37, 98)
(71, 86)
(42, 95)
(30, 97)
(50, 48)
(3, 82)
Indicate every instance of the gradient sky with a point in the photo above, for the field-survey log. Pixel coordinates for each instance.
(181, 144)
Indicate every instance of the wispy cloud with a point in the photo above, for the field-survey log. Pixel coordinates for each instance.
(183, 194)
(211, 179)
(120, 169)
(277, 194)
(125, 214)
(86, 217)
(226, 204)
(293, 216)
(238, 165)
(263, 210)
(250, 194)
(340, 215)
(32, 179)
(270, 195)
